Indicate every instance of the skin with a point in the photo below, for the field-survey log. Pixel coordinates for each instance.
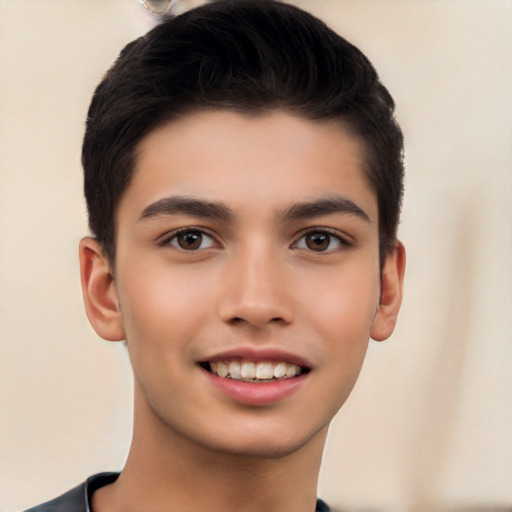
(260, 275)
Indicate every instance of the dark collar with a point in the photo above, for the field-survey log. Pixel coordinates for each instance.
(94, 483)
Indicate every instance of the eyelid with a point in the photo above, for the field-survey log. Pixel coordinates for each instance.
(165, 239)
(344, 240)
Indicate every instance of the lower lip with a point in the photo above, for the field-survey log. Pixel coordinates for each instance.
(253, 393)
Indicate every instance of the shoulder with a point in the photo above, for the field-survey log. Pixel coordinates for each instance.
(77, 499)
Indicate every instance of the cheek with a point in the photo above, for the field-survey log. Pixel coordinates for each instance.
(163, 306)
(342, 308)
(162, 312)
(342, 322)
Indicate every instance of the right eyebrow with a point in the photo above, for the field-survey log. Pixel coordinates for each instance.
(195, 207)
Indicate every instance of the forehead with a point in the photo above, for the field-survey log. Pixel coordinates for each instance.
(255, 162)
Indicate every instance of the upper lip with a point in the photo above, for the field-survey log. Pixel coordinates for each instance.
(256, 354)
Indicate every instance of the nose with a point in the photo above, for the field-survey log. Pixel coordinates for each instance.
(255, 290)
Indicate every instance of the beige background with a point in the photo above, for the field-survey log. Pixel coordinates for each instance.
(429, 424)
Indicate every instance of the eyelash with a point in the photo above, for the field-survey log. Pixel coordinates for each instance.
(170, 237)
(341, 242)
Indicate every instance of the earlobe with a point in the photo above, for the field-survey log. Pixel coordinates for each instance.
(98, 289)
(392, 280)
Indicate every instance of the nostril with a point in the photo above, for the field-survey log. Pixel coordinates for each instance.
(239, 320)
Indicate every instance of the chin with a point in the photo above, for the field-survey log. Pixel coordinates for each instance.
(269, 444)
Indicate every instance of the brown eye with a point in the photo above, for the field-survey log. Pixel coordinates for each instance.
(318, 241)
(191, 240)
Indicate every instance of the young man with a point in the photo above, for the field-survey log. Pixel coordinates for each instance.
(243, 175)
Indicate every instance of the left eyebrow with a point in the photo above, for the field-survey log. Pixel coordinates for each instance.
(176, 205)
(325, 206)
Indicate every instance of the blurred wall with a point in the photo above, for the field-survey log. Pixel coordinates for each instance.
(429, 425)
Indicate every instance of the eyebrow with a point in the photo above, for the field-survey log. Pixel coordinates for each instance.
(325, 206)
(189, 206)
(202, 208)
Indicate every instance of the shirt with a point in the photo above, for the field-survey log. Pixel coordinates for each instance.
(79, 499)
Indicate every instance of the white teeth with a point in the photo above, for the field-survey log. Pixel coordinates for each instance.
(222, 369)
(248, 370)
(264, 370)
(234, 370)
(251, 371)
(280, 370)
(292, 370)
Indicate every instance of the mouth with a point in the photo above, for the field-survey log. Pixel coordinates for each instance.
(254, 371)
(257, 377)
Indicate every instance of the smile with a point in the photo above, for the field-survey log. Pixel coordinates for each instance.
(251, 371)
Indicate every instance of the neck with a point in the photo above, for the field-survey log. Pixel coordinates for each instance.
(166, 472)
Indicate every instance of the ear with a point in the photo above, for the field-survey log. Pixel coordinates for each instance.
(99, 292)
(391, 292)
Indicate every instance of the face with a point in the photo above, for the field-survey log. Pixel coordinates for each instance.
(247, 277)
